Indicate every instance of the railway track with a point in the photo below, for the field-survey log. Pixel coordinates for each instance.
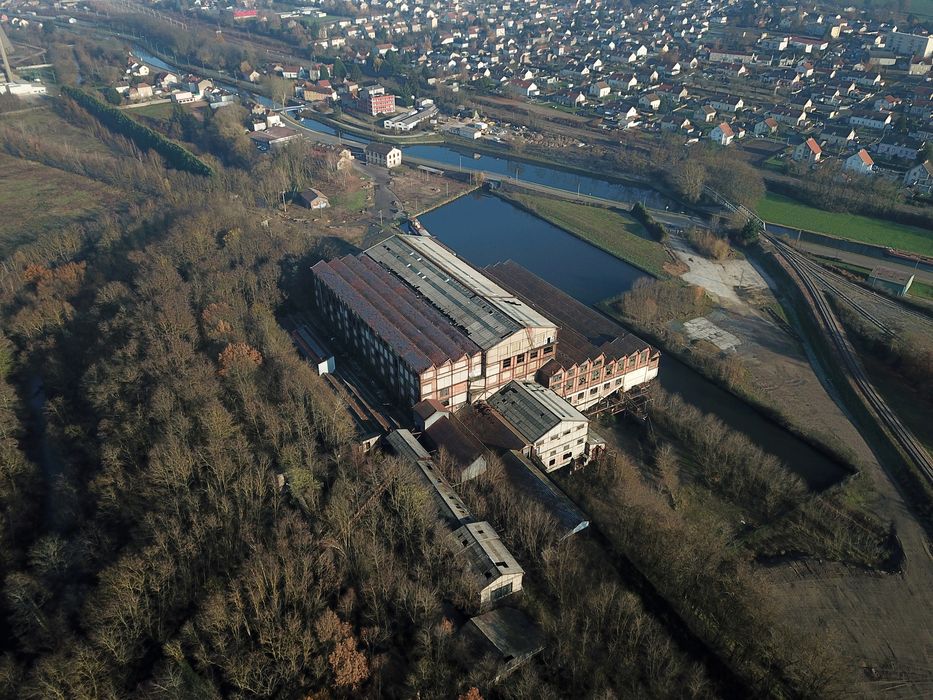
(887, 314)
(828, 321)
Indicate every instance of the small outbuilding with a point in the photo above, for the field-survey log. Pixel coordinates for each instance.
(312, 199)
(507, 634)
(891, 281)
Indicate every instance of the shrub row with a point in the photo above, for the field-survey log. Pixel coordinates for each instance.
(655, 228)
(175, 156)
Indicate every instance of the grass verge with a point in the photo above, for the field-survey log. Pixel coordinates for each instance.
(789, 212)
(612, 231)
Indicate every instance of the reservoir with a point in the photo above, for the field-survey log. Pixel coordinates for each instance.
(484, 229)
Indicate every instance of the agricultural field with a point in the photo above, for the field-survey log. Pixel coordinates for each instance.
(789, 212)
(613, 231)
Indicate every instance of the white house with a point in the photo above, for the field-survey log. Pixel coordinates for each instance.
(722, 134)
(383, 154)
(766, 127)
(705, 114)
(920, 177)
(859, 163)
(650, 101)
(600, 89)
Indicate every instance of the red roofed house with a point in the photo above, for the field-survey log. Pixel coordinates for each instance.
(859, 163)
(722, 134)
(809, 151)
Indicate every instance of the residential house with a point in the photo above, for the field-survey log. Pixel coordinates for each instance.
(705, 114)
(650, 101)
(808, 151)
(522, 88)
(859, 163)
(871, 120)
(899, 147)
(920, 177)
(726, 103)
(838, 135)
(383, 154)
(600, 89)
(766, 127)
(722, 134)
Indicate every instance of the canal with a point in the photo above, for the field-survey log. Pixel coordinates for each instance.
(485, 229)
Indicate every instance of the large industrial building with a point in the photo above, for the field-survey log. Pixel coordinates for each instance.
(430, 324)
(595, 358)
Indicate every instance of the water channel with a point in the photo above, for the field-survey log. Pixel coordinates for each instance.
(484, 229)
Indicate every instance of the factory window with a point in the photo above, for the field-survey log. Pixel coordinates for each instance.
(568, 386)
(551, 463)
(502, 591)
(618, 382)
(568, 456)
(580, 396)
(549, 349)
(570, 372)
(594, 390)
(534, 354)
(519, 358)
(595, 375)
(444, 392)
(580, 441)
(597, 362)
(582, 381)
(506, 363)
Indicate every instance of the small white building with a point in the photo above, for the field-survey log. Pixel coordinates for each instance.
(808, 151)
(920, 177)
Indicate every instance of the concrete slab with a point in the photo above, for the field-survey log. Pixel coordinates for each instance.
(703, 329)
(723, 279)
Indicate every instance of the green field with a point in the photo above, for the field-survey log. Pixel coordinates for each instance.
(616, 233)
(790, 212)
(35, 199)
(352, 201)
